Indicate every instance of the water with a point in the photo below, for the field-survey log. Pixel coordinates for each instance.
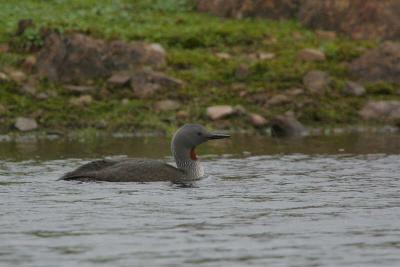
(327, 201)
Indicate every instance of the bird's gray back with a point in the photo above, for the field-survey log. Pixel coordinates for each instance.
(126, 170)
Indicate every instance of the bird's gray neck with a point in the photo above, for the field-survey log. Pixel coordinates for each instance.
(192, 168)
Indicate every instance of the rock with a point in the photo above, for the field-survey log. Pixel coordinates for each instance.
(81, 101)
(42, 96)
(310, 54)
(326, 35)
(286, 126)
(379, 64)
(80, 89)
(274, 9)
(25, 124)
(242, 72)
(4, 48)
(3, 77)
(353, 89)
(28, 88)
(166, 105)
(257, 120)
(278, 100)
(266, 56)
(17, 76)
(29, 63)
(359, 19)
(223, 55)
(77, 58)
(3, 109)
(220, 112)
(388, 111)
(125, 101)
(295, 92)
(146, 90)
(182, 115)
(146, 83)
(119, 79)
(23, 24)
(316, 81)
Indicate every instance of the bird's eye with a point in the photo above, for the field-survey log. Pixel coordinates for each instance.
(199, 134)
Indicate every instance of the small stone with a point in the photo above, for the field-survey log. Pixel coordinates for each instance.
(25, 124)
(310, 54)
(257, 120)
(4, 48)
(220, 112)
(81, 101)
(223, 55)
(125, 101)
(17, 76)
(23, 24)
(157, 48)
(3, 77)
(286, 126)
(266, 56)
(42, 96)
(28, 88)
(119, 79)
(146, 90)
(242, 72)
(80, 88)
(29, 63)
(166, 105)
(354, 89)
(3, 109)
(295, 92)
(326, 35)
(297, 35)
(278, 100)
(182, 114)
(381, 110)
(316, 81)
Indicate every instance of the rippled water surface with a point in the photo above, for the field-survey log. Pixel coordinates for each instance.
(326, 201)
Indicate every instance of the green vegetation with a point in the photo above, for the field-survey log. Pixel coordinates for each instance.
(192, 41)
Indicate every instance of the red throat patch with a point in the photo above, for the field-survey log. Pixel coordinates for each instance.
(193, 155)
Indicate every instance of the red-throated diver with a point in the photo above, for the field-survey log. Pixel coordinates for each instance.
(183, 147)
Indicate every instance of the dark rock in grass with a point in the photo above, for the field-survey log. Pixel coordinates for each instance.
(78, 58)
(353, 89)
(242, 72)
(359, 19)
(3, 109)
(119, 79)
(28, 88)
(278, 100)
(82, 101)
(326, 35)
(25, 124)
(310, 55)
(275, 9)
(146, 83)
(23, 24)
(316, 81)
(80, 89)
(378, 64)
(387, 111)
(166, 105)
(4, 48)
(286, 126)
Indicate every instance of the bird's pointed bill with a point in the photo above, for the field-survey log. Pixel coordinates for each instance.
(212, 136)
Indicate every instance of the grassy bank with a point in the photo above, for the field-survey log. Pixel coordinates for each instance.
(192, 41)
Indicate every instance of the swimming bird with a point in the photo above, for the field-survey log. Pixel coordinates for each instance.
(188, 167)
